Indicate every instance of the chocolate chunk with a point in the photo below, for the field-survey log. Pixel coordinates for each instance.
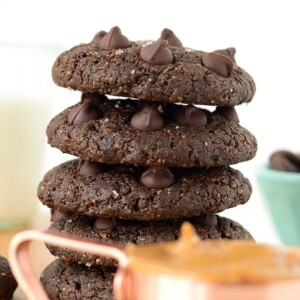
(157, 53)
(114, 40)
(190, 115)
(98, 36)
(208, 220)
(87, 167)
(218, 63)
(172, 39)
(105, 223)
(157, 178)
(57, 216)
(230, 52)
(285, 161)
(147, 119)
(228, 112)
(83, 113)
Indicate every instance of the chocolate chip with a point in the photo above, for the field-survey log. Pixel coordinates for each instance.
(190, 115)
(172, 39)
(230, 52)
(57, 216)
(157, 53)
(218, 63)
(96, 98)
(208, 220)
(83, 113)
(228, 112)
(157, 178)
(285, 161)
(147, 119)
(87, 167)
(114, 40)
(105, 223)
(98, 36)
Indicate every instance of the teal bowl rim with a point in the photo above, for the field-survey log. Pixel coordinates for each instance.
(271, 174)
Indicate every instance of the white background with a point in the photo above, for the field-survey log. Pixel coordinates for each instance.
(265, 34)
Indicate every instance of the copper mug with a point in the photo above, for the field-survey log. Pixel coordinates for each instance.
(130, 284)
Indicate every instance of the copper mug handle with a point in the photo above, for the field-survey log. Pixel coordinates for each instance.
(29, 283)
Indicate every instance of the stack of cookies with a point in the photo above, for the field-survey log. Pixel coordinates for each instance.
(146, 163)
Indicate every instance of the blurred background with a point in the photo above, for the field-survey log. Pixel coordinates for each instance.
(33, 33)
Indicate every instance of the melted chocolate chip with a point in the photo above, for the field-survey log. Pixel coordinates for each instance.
(114, 40)
(190, 115)
(147, 119)
(230, 52)
(157, 53)
(157, 178)
(105, 223)
(218, 63)
(83, 113)
(87, 167)
(98, 36)
(228, 112)
(57, 216)
(172, 39)
(285, 161)
(208, 220)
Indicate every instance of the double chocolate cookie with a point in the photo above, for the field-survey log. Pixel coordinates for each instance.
(118, 231)
(125, 192)
(8, 283)
(115, 132)
(65, 281)
(159, 71)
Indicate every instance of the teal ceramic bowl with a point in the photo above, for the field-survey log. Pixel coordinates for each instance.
(281, 191)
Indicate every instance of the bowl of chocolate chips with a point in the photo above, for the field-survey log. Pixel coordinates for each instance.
(280, 185)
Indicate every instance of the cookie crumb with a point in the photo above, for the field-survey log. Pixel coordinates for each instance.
(115, 193)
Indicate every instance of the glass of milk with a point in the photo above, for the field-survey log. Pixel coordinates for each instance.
(26, 89)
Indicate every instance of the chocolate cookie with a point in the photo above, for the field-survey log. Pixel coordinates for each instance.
(118, 191)
(8, 283)
(65, 281)
(155, 72)
(286, 161)
(168, 135)
(140, 233)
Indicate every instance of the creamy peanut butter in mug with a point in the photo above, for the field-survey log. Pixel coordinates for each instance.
(187, 269)
(218, 261)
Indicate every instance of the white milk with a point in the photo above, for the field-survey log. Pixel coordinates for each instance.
(25, 97)
(22, 140)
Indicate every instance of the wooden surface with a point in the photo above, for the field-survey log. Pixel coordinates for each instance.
(39, 254)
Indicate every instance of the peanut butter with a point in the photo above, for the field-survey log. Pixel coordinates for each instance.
(216, 261)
